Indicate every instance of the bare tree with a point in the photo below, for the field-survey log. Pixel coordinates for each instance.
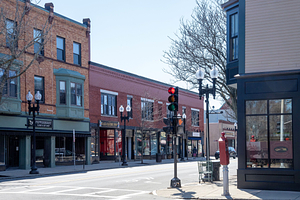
(16, 25)
(201, 42)
(147, 115)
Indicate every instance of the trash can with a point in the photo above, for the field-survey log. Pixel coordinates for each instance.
(158, 157)
(216, 170)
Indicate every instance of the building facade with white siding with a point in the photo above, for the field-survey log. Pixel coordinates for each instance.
(263, 63)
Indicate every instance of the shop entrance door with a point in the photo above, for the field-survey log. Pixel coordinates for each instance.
(129, 148)
(13, 151)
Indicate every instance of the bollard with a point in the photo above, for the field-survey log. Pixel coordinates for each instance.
(225, 181)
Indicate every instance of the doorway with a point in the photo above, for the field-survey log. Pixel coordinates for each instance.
(13, 151)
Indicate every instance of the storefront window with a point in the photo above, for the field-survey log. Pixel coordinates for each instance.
(94, 144)
(138, 141)
(170, 144)
(107, 142)
(153, 143)
(119, 143)
(269, 134)
(146, 144)
(163, 142)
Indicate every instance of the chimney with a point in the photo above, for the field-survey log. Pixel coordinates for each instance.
(87, 22)
(50, 8)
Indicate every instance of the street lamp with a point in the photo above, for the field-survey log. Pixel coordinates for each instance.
(206, 91)
(121, 109)
(33, 109)
(182, 155)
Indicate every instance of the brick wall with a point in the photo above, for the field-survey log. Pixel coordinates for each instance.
(63, 27)
(105, 78)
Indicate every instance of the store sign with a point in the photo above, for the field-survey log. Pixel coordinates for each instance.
(40, 123)
(196, 134)
(108, 124)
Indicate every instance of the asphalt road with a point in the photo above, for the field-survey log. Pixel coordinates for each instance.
(122, 183)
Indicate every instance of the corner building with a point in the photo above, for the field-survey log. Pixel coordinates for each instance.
(61, 75)
(110, 88)
(263, 64)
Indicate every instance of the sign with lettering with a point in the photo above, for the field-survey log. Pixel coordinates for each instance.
(40, 123)
(108, 124)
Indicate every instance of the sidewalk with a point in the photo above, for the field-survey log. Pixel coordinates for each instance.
(215, 190)
(187, 191)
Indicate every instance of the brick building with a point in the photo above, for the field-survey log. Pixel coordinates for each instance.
(110, 88)
(60, 74)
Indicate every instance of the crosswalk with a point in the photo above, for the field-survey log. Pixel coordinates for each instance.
(91, 192)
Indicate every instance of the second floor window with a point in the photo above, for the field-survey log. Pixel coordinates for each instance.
(11, 33)
(147, 109)
(160, 107)
(195, 118)
(76, 53)
(62, 92)
(76, 94)
(38, 42)
(108, 104)
(129, 103)
(60, 47)
(11, 85)
(39, 86)
(233, 36)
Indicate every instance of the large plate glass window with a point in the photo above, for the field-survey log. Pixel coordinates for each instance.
(269, 133)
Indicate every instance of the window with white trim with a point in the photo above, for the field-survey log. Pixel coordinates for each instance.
(108, 104)
(147, 109)
(195, 117)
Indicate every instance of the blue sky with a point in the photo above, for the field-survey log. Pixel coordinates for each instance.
(130, 35)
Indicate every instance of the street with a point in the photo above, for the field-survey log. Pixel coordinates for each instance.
(121, 183)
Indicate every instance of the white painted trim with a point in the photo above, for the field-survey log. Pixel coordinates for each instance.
(129, 96)
(149, 100)
(108, 92)
(195, 109)
(160, 102)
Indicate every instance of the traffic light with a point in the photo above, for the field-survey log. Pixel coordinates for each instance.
(173, 98)
(169, 127)
(180, 127)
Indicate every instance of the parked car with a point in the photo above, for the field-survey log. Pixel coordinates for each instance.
(232, 153)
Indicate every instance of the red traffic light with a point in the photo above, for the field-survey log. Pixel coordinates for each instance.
(171, 90)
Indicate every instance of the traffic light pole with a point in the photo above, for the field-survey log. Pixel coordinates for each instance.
(175, 182)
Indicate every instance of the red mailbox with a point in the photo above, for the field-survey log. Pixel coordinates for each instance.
(223, 148)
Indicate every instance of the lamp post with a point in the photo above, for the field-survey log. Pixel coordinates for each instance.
(121, 109)
(33, 109)
(182, 152)
(206, 91)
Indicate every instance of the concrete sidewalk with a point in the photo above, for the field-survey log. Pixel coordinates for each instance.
(187, 191)
(215, 190)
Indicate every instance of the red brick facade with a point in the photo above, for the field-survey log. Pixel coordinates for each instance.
(123, 83)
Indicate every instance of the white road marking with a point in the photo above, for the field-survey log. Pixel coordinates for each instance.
(99, 193)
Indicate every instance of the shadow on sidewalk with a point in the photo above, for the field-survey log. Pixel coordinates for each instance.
(186, 195)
